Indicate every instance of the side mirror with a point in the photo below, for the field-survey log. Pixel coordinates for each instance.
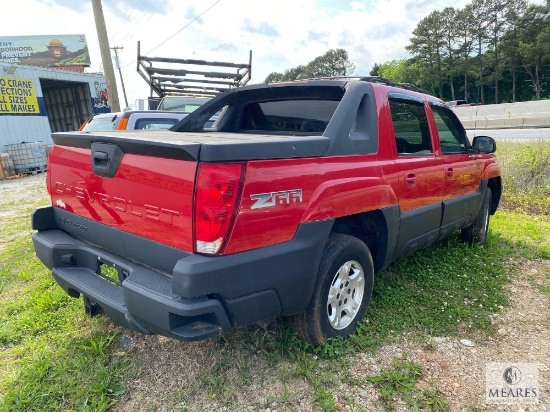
(484, 144)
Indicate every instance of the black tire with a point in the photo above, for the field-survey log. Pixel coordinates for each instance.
(477, 231)
(322, 319)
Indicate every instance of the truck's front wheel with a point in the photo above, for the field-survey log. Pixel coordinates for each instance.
(342, 292)
(479, 230)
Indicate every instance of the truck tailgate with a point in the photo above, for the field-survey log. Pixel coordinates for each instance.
(148, 196)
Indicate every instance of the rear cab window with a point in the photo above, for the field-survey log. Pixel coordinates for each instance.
(288, 116)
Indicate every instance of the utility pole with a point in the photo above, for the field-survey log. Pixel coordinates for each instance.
(117, 64)
(106, 55)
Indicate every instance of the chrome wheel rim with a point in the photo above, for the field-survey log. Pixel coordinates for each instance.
(345, 295)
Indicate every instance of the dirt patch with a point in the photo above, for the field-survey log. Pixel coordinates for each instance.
(25, 191)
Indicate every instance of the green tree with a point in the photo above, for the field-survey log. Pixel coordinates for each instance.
(449, 30)
(399, 71)
(376, 68)
(426, 46)
(511, 56)
(501, 16)
(534, 43)
(465, 27)
(479, 11)
(335, 62)
(298, 72)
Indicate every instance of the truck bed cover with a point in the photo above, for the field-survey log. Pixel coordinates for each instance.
(207, 146)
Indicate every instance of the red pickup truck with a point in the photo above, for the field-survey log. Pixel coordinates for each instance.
(287, 206)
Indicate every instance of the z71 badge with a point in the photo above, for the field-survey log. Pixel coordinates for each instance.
(272, 199)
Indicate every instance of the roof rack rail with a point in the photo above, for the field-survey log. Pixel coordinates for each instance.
(383, 80)
(372, 79)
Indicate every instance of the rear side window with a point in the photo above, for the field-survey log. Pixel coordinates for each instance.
(98, 124)
(291, 116)
(410, 123)
(451, 136)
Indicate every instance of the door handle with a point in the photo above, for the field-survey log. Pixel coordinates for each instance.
(449, 173)
(410, 179)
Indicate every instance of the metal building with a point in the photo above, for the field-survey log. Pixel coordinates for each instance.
(37, 101)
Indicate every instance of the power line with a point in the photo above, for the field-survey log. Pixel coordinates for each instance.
(178, 32)
(127, 17)
(184, 27)
(157, 9)
(140, 20)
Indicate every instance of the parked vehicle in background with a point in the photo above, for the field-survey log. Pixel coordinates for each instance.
(288, 206)
(186, 104)
(132, 120)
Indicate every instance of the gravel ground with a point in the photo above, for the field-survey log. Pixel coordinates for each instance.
(458, 371)
(167, 370)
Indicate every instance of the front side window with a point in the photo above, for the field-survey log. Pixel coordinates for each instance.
(451, 136)
(410, 123)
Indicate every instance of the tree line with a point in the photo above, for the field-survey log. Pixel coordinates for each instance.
(489, 51)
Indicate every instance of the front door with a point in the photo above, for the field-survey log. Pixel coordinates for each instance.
(462, 171)
(419, 187)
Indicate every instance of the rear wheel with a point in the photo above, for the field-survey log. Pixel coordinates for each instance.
(478, 230)
(342, 292)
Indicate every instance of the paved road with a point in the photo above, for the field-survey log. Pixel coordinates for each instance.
(513, 134)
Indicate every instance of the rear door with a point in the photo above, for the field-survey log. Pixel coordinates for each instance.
(419, 187)
(462, 171)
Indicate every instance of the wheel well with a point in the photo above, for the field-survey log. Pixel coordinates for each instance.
(495, 184)
(371, 228)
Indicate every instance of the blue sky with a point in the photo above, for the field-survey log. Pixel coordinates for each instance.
(281, 34)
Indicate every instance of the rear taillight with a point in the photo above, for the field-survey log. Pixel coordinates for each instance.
(216, 194)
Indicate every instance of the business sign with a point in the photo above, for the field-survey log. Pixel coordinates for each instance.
(18, 96)
(45, 51)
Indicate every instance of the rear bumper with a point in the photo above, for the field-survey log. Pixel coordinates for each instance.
(203, 297)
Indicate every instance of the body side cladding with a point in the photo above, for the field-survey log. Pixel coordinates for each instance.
(344, 197)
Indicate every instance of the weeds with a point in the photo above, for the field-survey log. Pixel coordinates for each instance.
(525, 168)
(400, 381)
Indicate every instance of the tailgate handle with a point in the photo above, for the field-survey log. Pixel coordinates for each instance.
(106, 158)
(100, 158)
